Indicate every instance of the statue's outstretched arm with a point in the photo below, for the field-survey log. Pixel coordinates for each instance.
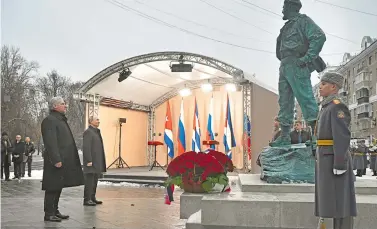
(315, 37)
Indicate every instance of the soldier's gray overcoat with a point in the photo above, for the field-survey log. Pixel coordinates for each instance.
(334, 194)
(359, 160)
(373, 159)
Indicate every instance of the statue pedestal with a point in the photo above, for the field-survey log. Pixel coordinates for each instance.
(287, 164)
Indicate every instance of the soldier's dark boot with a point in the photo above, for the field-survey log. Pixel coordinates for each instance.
(359, 173)
(364, 171)
(374, 173)
(284, 139)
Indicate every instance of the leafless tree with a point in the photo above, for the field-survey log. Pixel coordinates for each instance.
(16, 76)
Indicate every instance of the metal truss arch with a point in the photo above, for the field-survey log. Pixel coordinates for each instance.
(163, 56)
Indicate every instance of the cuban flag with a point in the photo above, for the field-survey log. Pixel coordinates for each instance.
(247, 134)
(196, 130)
(181, 132)
(209, 135)
(229, 141)
(168, 133)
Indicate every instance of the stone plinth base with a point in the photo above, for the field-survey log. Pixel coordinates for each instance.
(253, 183)
(271, 210)
(265, 206)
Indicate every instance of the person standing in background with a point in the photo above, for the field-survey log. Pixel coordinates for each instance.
(298, 135)
(6, 151)
(373, 160)
(17, 156)
(93, 160)
(359, 158)
(28, 157)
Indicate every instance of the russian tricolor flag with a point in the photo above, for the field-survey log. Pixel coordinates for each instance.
(168, 133)
(210, 135)
(181, 132)
(229, 140)
(196, 130)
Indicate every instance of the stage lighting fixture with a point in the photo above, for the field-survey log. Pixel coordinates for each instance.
(231, 87)
(124, 74)
(206, 87)
(122, 120)
(181, 66)
(185, 92)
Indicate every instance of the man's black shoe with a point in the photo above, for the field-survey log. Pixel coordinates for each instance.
(29, 175)
(61, 216)
(52, 219)
(89, 203)
(97, 201)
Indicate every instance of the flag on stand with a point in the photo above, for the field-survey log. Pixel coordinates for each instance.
(247, 136)
(209, 135)
(181, 132)
(196, 130)
(169, 194)
(168, 133)
(229, 140)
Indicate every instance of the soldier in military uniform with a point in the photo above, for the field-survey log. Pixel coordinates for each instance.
(373, 160)
(359, 158)
(298, 46)
(334, 181)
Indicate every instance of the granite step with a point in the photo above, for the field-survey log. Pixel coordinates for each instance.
(253, 183)
(274, 210)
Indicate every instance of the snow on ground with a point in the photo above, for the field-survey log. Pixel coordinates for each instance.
(35, 175)
(368, 175)
(126, 184)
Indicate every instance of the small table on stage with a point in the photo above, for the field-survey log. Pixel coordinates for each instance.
(155, 162)
(210, 142)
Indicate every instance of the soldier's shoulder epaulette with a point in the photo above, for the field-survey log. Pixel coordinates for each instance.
(336, 101)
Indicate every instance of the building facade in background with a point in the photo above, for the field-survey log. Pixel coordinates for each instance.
(360, 88)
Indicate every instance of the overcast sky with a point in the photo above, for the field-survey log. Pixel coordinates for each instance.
(81, 37)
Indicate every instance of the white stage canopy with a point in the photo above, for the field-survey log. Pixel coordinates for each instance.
(152, 81)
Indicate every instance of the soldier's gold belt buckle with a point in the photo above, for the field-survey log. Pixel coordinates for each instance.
(325, 142)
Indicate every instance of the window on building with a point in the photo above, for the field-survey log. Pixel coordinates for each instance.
(354, 71)
(365, 108)
(354, 98)
(365, 125)
(370, 60)
(363, 63)
(363, 92)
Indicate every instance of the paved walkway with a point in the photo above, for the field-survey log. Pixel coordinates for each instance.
(124, 207)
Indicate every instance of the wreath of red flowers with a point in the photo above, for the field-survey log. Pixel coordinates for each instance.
(194, 168)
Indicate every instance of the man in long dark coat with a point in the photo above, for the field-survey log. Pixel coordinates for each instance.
(6, 152)
(93, 161)
(28, 157)
(359, 158)
(334, 183)
(18, 156)
(62, 167)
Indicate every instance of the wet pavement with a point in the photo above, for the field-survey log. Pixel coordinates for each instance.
(123, 207)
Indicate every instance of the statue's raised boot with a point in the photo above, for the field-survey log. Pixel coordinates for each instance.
(284, 139)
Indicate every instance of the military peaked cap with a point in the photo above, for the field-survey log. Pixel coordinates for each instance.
(334, 78)
(297, 2)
